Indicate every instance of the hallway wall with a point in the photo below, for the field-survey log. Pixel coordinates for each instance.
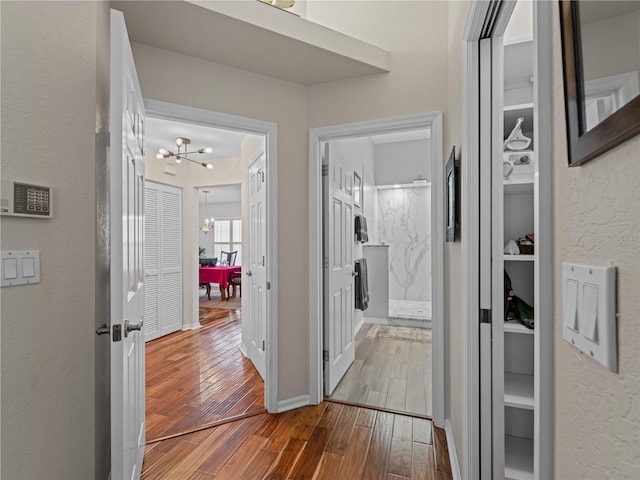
(55, 123)
(597, 222)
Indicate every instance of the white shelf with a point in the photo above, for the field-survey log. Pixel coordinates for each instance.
(518, 390)
(520, 186)
(518, 460)
(519, 258)
(520, 106)
(514, 326)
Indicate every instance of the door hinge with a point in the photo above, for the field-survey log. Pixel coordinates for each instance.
(268, 285)
(263, 345)
(117, 333)
(325, 170)
(263, 260)
(325, 355)
(325, 262)
(485, 315)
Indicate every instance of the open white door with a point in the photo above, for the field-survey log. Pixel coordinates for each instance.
(127, 272)
(256, 277)
(339, 302)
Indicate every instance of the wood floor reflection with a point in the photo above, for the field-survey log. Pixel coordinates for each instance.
(198, 377)
(328, 441)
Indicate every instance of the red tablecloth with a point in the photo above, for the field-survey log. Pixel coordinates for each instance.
(219, 275)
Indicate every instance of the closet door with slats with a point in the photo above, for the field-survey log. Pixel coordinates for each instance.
(162, 259)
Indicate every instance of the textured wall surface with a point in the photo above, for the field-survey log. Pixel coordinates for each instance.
(48, 344)
(597, 222)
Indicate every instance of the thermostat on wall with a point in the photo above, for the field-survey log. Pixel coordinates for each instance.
(25, 200)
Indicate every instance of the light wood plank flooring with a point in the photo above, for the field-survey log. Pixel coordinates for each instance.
(198, 377)
(328, 441)
(392, 374)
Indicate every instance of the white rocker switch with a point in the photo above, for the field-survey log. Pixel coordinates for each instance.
(570, 307)
(10, 268)
(28, 267)
(590, 311)
(589, 320)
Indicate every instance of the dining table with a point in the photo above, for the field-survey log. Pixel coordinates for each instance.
(219, 275)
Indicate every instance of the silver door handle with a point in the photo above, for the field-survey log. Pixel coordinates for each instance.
(104, 329)
(128, 327)
(354, 273)
(249, 274)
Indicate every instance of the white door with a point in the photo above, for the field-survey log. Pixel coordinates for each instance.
(339, 307)
(127, 275)
(256, 277)
(162, 260)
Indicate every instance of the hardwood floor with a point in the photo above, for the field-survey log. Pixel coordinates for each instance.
(328, 441)
(198, 377)
(392, 374)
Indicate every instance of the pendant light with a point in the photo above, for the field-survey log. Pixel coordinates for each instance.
(183, 153)
(207, 225)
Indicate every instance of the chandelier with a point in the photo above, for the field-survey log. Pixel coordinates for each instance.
(207, 225)
(182, 153)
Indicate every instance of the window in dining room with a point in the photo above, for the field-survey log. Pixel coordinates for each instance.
(228, 237)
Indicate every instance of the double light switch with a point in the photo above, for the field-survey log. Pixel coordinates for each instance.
(20, 268)
(589, 311)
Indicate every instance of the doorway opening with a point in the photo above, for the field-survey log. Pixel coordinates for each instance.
(378, 217)
(202, 371)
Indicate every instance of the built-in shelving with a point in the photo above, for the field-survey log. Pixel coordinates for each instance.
(513, 326)
(518, 390)
(519, 258)
(518, 458)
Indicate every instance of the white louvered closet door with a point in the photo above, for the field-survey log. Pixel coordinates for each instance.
(162, 260)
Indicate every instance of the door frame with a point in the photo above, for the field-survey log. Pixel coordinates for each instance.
(360, 129)
(470, 221)
(209, 118)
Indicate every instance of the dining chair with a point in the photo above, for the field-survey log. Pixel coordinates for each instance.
(230, 257)
(235, 280)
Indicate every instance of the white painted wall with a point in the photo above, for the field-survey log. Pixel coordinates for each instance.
(401, 162)
(54, 373)
(189, 177)
(229, 90)
(456, 375)
(597, 222)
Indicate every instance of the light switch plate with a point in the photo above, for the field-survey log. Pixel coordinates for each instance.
(589, 320)
(20, 268)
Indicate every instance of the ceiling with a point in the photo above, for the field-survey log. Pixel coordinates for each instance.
(163, 133)
(252, 36)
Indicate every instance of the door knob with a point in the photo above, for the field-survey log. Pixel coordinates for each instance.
(128, 327)
(249, 274)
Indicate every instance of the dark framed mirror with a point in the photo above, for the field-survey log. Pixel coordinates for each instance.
(601, 60)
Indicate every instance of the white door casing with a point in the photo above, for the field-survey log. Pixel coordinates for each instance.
(339, 306)
(256, 278)
(127, 275)
(162, 260)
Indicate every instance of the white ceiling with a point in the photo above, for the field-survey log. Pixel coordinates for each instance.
(163, 133)
(252, 36)
(220, 194)
(395, 137)
(520, 26)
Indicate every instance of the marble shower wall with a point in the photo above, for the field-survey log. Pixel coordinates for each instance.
(404, 224)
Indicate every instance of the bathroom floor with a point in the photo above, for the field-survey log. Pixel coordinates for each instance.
(409, 309)
(388, 373)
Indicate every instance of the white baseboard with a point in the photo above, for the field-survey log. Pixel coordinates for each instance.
(292, 403)
(451, 446)
(358, 326)
(191, 327)
(378, 321)
(243, 350)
